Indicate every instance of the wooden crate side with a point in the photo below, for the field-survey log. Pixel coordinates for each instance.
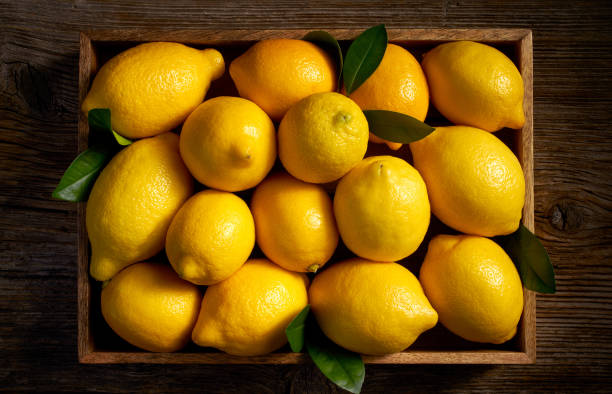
(525, 152)
(84, 335)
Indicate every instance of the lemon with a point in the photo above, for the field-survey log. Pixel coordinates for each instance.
(228, 143)
(370, 307)
(150, 307)
(382, 209)
(210, 237)
(246, 314)
(474, 286)
(278, 73)
(294, 223)
(322, 137)
(475, 182)
(151, 88)
(132, 204)
(398, 84)
(476, 85)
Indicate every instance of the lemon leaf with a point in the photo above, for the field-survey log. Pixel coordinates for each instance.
(78, 179)
(531, 259)
(296, 329)
(327, 42)
(363, 57)
(99, 119)
(341, 366)
(396, 127)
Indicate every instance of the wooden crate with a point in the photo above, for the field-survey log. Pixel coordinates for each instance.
(97, 344)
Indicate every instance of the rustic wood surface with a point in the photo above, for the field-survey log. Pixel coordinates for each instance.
(38, 139)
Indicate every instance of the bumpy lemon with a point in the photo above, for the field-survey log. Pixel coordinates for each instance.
(210, 237)
(322, 137)
(228, 143)
(370, 307)
(382, 209)
(151, 88)
(399, 85)
(133, 202)
(150, 307)
(474, 286)
(475, 182)
(278, 73)
(294, 223)
(246, 314)
(476, 85)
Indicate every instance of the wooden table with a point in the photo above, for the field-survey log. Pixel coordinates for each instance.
(573, 162)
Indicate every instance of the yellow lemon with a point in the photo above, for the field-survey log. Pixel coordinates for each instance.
(151, 88)
(246, 314)
(474, 286)
(322, 137)
(475, 183)
(228, 143)
(133, 202)
(150, 307)
(278, 73)
(382, 209)
(210, 237)
(294, 223)
(476, 85)
(370, 307)
(398, 84)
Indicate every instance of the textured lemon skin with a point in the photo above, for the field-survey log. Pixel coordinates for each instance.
(246, 314)
(278, 73)
(228, 143)
(132, 204)
(370, 307)
(151, 88)
(382, 209)
(398, 84)
(476, 85)
(149, 306)
(322, 137)
(210, 237)
(474, 286)
(294, 223)
(475, 182)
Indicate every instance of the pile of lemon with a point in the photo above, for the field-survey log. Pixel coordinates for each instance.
(143, 202)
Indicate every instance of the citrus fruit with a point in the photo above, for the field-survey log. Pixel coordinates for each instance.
(246, 314)
(475, 183)
(132, 203)
(474, 286)
(150, 307)
(210, 237)
(370, 307)
(294, 223)
(398, 85)
(152, 87)
(474, 84)
(382, 209)
(322, 137)
(228, 143)
(277, 73)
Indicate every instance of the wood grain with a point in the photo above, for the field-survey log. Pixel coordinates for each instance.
(572, 47)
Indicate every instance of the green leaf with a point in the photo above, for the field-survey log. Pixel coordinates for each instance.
(531, 259)
(363, 57)
(343, 367)
(296, 329)
(80, 176)
(396, 127)
(99, 119)
(327, 42)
